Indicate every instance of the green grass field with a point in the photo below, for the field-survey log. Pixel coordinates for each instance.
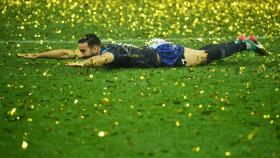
(230, 108)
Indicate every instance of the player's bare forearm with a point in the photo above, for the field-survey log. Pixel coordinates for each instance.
(54, 54)
(95, 61)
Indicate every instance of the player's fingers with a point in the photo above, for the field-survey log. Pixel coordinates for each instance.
(20, 55)
(28, 55)
(33, 56)
(24, 55)
(74, 64)
(70, 64)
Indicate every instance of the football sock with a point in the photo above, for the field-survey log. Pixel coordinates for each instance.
(220, 51)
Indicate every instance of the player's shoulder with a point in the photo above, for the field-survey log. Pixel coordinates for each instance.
(114, 48)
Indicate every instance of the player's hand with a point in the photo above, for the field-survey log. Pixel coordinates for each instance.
(28, 55)
(78, 54)
(75, 64)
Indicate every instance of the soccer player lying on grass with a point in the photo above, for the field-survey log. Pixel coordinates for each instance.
(158, 53)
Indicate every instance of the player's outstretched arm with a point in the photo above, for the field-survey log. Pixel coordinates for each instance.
(94, 61)
(54, 54)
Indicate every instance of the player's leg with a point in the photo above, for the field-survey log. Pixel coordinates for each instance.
(212, 52)
(195, 57)
(220, 51)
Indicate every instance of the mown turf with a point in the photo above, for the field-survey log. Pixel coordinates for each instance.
(229, 108)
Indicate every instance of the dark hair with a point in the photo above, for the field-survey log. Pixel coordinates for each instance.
(91, 39)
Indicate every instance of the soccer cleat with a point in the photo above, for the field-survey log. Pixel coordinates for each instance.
(254, 45)
(241, 38)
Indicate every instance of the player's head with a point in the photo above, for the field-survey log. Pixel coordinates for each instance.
(89, 45)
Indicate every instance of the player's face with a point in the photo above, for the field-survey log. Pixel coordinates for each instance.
(87, 51)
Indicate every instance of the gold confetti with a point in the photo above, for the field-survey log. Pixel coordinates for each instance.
(252, 134)
(203, 20)
(178, 123)
(24, 145)
(13, 111)
(101, 133)
(242, 69)
(227, 153)
(105, 101)
(196, 149)
(46, 72)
